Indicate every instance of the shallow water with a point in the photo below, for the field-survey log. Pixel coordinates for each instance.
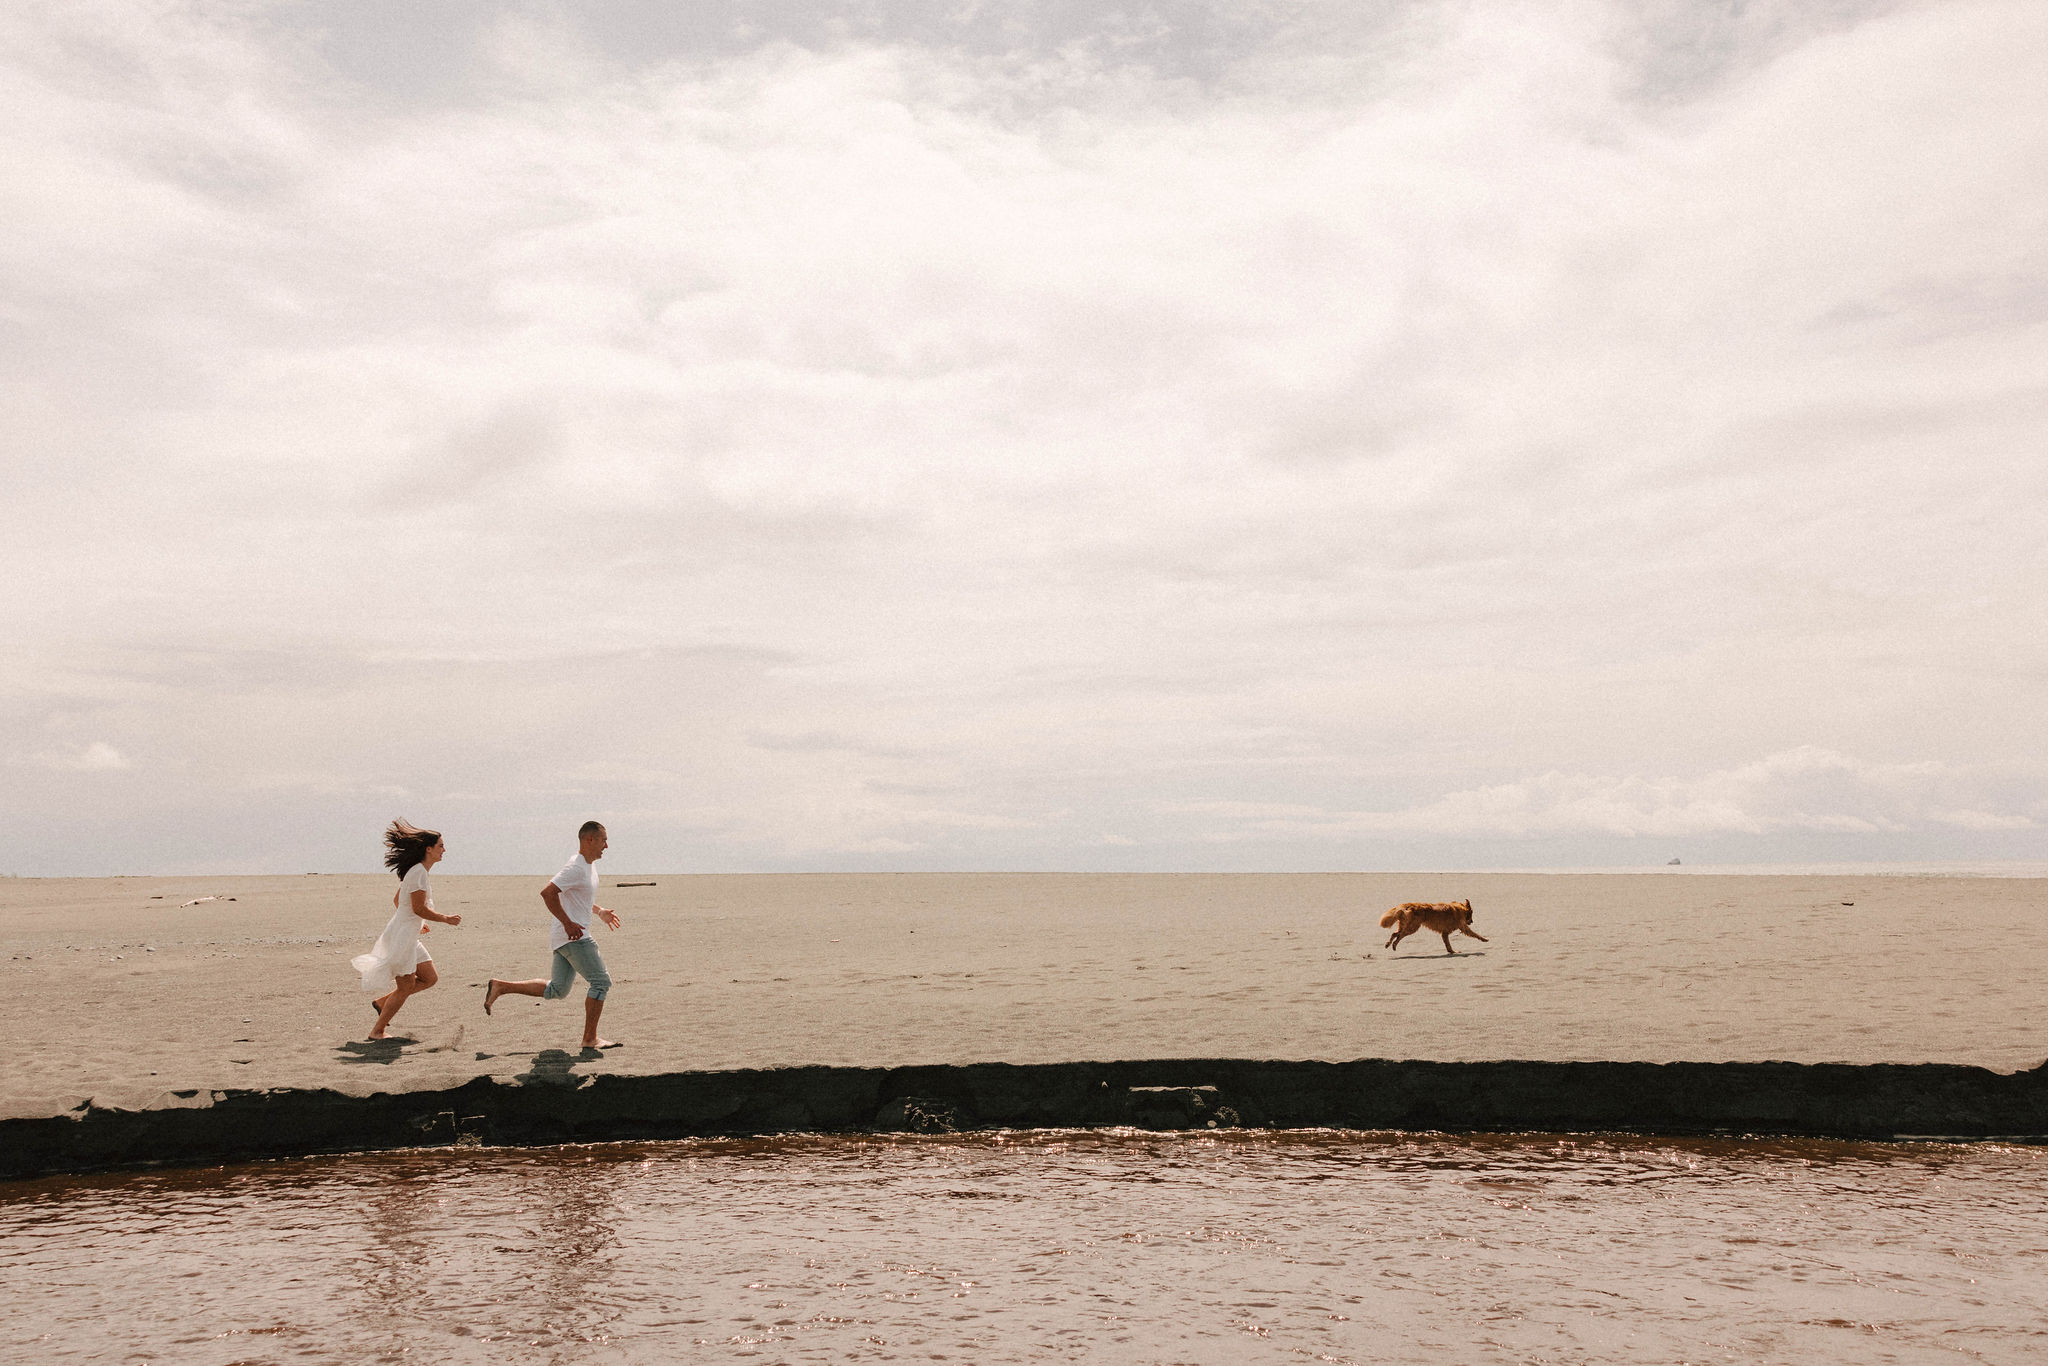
(1117, 1246)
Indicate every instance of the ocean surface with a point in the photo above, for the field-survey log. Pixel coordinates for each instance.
(1111, 1246)
(2008, 868)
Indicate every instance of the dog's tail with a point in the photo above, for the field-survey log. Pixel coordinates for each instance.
(1391, 918)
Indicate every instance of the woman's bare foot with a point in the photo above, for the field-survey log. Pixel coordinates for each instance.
(492, 991)
(377, 1006)
(600, 1043)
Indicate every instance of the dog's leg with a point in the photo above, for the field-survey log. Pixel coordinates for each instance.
(1447, 943)
(1467, 929)
(1394, 940)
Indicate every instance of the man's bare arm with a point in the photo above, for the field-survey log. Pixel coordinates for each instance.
(552, 896)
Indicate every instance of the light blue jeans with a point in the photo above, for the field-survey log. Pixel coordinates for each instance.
(578, 955)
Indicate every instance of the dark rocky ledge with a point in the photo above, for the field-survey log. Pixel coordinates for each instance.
(551, 1105)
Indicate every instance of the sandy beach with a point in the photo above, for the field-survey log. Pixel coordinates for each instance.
(119, 994)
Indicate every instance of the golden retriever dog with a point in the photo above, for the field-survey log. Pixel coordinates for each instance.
(1441, 916)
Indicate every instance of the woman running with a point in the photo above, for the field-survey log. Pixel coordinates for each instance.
(400, 966)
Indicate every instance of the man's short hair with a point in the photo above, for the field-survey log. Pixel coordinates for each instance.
(589, 828)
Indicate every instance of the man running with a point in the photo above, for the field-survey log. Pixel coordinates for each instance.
(571, 898)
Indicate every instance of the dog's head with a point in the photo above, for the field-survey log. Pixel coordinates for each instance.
(1467, 904)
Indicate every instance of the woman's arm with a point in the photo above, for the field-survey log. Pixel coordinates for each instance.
(421, 909)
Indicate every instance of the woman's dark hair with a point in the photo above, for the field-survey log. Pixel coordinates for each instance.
(406, 844)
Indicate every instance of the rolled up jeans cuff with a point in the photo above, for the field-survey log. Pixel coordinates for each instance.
(578, 956)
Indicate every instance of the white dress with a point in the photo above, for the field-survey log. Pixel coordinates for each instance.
(398, 950)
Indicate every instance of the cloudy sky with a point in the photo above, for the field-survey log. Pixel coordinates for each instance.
(928, 435)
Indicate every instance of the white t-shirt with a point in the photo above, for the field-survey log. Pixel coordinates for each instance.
(577, 882)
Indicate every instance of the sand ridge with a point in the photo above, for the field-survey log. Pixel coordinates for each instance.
(119, 993)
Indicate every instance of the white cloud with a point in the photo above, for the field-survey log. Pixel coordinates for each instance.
(96, 757)
(1806, 790)
(938, 435)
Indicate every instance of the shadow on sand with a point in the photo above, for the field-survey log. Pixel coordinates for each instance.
(373, 1050)
(1434, 957)
(551, 1067)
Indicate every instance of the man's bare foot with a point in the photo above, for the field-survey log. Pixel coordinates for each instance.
(492, 991)
(600, 1043)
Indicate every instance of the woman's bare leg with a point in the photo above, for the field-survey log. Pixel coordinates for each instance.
(423, 977)
(392, 1000)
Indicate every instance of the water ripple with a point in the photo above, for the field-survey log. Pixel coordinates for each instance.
(994, 1248)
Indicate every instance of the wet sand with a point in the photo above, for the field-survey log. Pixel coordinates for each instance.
(118, 994)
